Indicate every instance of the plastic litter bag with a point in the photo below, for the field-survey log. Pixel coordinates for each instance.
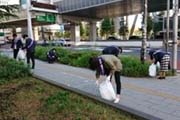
(106, 90)
(152, 70)
(21, 55)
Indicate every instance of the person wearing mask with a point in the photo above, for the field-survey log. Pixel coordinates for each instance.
(113, 50)
(52, 55)
(16, 45)
(30, 45)
(163, 58)
(108, 65)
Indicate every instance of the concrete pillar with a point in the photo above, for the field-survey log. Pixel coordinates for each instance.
(116, 26)
(75, 33)
(24, 30)
(92, 35)
(36, 35)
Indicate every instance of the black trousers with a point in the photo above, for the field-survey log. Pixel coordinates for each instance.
(15, 53)
(117, 76)
(30, 55)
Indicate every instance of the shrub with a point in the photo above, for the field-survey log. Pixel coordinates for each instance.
(83, 60)
(10, 68)
(41, 52)
(133, 67)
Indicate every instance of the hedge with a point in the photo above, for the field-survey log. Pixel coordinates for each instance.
(132, 66)
(10, 69)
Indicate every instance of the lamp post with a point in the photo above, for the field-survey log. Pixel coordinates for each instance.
(144, 32)
(167, 26)
(175, 34)
(29, 22)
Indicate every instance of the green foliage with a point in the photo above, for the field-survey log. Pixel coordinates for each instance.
(59, 34)
(41, 52)
(107, 27)
(57, 102)
(123, 31)
(83, 60)
(132, 67)
(10, 69)
(149, 25)
(7, 11)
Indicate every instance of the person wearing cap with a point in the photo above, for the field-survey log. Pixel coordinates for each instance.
(163, 58)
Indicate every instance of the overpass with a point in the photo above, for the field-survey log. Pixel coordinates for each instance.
(92, 11)
(107, 8)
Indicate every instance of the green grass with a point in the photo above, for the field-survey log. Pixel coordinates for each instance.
(32, 99)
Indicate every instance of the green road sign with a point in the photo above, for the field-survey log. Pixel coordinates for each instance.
(50, 18)
(41, 18)
(1, 34)
(47, 18)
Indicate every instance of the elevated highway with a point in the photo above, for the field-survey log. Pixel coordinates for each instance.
(107, 8)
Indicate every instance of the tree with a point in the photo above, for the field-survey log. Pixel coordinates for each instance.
(7, 11)
(106, 27)
(149, 25)
(123, 31)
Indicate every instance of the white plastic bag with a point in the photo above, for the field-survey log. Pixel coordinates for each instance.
(106, 90)
(152, 70)
(21, 55)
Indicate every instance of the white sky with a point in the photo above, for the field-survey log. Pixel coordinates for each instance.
(9, 2)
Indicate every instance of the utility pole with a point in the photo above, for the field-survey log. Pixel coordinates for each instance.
(167, 26)
(29, 22)
(175, 34)
(144, 32)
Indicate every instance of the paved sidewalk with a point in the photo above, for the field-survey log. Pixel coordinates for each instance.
(151, 98)
(148, 97)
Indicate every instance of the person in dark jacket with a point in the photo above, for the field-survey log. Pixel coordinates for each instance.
(30, 49)
(113, 50)
(16, 45)
(108, 65)
(52, 55)
(163, 58)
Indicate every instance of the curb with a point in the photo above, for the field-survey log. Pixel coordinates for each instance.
(117, 106)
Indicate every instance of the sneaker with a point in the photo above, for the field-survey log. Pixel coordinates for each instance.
(117, 100)
(161, 78)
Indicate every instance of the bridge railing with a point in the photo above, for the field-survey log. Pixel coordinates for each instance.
(70, 5)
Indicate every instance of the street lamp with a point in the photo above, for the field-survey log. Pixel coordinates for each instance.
(29, 22)
(144, 32)
(175, 34)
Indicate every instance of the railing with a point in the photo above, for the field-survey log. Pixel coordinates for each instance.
(70, 5)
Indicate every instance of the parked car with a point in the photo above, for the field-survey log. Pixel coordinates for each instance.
(134, 37)
(112, 38)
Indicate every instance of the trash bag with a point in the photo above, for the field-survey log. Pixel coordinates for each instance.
(106, 90)
(21, 55)
(152, 70)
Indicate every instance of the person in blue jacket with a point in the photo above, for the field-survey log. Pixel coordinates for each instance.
(30, 49)
(163, 58)
(52, 55)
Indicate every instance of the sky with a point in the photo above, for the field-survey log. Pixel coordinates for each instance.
(9, 2)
